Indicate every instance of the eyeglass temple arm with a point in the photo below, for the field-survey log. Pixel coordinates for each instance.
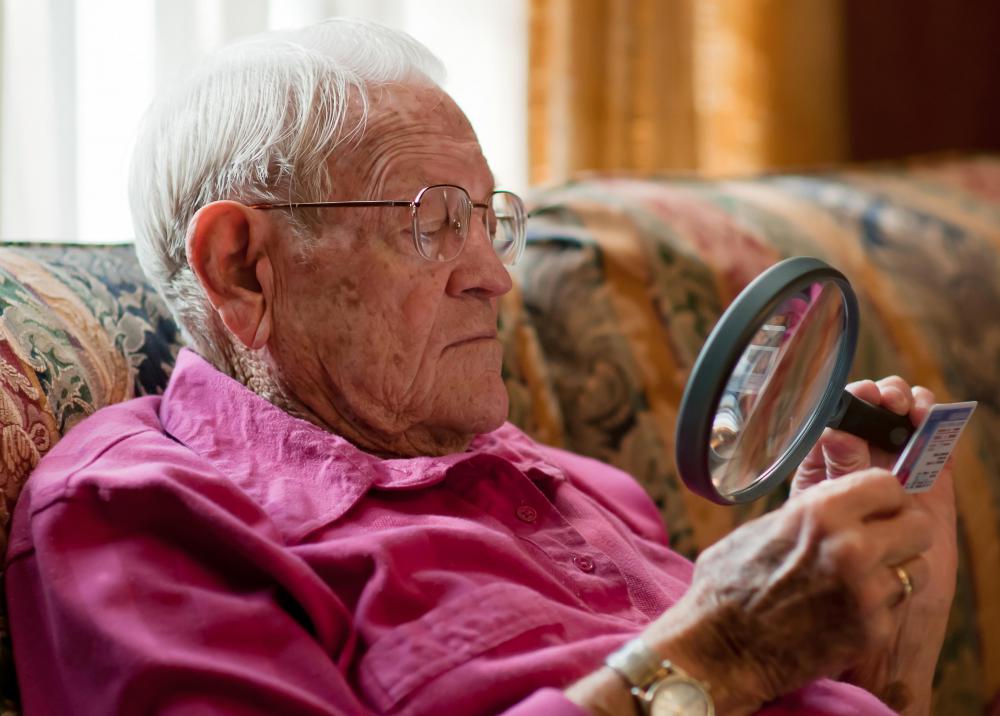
(329, 204)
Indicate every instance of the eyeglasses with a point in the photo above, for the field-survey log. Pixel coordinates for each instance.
(441, 216)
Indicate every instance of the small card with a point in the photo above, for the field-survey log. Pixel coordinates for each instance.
(931, 445)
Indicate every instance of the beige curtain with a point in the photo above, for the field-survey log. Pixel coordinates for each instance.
(713, 86)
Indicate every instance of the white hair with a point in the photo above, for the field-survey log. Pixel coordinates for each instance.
(256, 123)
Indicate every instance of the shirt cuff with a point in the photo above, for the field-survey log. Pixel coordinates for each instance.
(546, 702)
(827, 698)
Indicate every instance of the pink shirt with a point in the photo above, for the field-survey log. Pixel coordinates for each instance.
(206, 553)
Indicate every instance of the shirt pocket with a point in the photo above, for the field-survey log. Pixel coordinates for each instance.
(450, 635)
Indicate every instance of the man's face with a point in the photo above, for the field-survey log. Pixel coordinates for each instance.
(402, 349)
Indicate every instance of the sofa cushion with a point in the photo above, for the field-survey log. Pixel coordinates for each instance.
(79, 329)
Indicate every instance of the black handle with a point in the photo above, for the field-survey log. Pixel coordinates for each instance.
(880, 427)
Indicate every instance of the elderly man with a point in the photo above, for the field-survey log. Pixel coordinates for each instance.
(325, 513)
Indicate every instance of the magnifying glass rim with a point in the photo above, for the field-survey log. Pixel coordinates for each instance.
(719, 356)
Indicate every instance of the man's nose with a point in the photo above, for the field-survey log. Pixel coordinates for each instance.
(478, 270)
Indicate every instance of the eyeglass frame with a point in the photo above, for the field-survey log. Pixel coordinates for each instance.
(414, 206)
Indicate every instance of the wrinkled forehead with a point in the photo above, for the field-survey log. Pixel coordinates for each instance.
(413, 136)
(400, 107)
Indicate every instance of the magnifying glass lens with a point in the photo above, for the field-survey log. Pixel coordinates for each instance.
(772, 393)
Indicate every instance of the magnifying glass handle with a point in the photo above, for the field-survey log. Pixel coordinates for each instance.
(878, 426)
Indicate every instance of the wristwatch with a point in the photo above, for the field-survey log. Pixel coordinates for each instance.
(660, 687)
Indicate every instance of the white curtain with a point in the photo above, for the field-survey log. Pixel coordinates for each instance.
(78, 74)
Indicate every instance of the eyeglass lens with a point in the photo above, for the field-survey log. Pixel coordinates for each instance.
(506, 221)
(443, 218)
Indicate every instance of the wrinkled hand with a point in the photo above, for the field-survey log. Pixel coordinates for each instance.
(803, 592)
(838, 453)
(904, 671)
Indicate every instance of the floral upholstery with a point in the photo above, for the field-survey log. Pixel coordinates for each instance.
(622, 281)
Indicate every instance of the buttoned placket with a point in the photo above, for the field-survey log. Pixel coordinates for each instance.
(518, 501)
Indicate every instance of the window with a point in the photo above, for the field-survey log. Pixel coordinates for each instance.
(77, 76)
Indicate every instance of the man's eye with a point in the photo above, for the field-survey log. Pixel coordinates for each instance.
(432, 224)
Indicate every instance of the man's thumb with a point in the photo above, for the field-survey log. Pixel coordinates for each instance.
(845, 453)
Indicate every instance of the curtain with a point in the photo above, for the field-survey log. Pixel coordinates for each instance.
(713, 86)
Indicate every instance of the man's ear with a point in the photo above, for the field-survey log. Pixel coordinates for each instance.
(225, 248)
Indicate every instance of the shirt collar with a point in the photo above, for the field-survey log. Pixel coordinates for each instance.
(298, 472)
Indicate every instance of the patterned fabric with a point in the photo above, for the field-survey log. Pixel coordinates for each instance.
(79, 329)
(624, 278)
(622, 281)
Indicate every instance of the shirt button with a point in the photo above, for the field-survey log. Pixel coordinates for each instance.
(584, 564)
(526, 513)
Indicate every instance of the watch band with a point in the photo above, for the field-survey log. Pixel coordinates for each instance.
(646, 673)
(637, 664)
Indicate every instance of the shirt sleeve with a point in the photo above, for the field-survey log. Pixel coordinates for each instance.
(546, 702)
(133, 603)
(822, 698)
(828, 698)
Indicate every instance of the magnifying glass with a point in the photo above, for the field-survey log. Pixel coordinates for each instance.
(770, 378)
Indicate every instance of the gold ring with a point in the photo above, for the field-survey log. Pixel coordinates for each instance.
(904, 579)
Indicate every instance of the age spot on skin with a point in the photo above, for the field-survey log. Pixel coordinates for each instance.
(347, 288)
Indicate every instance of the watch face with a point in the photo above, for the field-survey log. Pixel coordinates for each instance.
(679, 697)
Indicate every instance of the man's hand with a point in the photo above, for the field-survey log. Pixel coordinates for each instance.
(811, 589)
(904, 671)
(803, 592)
(838, 453)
